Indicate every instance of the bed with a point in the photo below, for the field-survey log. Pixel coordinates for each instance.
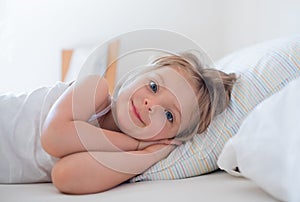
(208, 185)
(217, 186)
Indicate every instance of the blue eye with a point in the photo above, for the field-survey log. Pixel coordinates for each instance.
(169, 116)
(153, 86)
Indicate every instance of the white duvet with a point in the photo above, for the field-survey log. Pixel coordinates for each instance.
(266, 148)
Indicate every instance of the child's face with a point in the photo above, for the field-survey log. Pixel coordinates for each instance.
(156, 105)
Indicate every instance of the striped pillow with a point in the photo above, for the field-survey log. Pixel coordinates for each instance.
(264, 69)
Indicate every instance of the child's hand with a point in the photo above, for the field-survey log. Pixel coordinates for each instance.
(159, 151)
(143, 144)
(170, 142)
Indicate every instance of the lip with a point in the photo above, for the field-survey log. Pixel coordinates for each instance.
(136, 113)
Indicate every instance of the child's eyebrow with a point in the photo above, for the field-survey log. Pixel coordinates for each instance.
(161, 78)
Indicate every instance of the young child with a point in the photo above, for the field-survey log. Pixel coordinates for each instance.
(96, 142)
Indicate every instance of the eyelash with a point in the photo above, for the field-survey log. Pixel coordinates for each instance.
(154, 88)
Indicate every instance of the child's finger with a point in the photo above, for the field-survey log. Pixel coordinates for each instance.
(176, 142)
(171, 142)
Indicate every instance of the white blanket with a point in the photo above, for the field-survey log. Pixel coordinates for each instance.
(266, 148)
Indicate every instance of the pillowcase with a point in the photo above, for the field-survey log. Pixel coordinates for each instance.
(263, 70)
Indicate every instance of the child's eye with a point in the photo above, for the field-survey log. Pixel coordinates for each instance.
(153, 86)
(169, 116)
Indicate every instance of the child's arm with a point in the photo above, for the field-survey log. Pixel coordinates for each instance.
(103, 170)
(66, 131)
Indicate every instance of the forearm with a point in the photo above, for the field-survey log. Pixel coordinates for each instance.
(79, 136)
(102, 170)
(97, 139)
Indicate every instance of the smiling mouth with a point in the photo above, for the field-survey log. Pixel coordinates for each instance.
(136, 113)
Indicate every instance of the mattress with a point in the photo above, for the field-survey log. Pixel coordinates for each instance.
(217, 186)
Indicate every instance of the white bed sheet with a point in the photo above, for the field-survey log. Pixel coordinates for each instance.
(217, 186)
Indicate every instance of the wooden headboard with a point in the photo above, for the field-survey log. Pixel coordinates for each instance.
(110, 74)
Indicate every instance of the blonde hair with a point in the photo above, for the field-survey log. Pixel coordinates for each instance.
(212, 88)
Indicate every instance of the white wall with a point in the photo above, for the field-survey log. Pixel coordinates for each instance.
(33, 32)
(251, 21)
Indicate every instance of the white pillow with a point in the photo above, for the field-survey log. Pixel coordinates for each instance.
(266, 148)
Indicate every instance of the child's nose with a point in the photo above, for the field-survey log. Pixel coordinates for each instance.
(147, 104)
